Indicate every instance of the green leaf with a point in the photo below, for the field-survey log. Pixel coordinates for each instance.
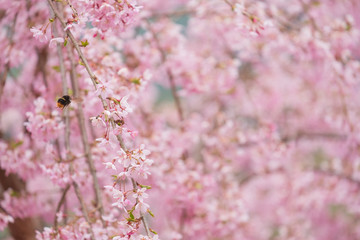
(136, 81)
(14, 145)
(56, 68)
(65, 42)
(131, 215)
(145, 186)
(84, 43)
(151, 213)
(151, 230)
(130, 220)
(14, 194)
(348, 27)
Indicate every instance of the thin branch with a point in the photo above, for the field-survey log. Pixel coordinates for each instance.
(83, 206)
(170, 76)
(64, 90)
(66, 119)
(4, 74)
(230, 4)
(306, 8)
(84, 137)
(94, 81)
(141, 215)
(77, 48)
(72, 8)
(67, 146)
(314, 135)
(301, 135)
(122, 145)
(75, 43)
(80, 112)
(327, 173)
(173, 14)
(174, 93)
(61, 202)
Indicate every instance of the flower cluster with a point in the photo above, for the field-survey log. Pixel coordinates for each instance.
(187, 119)
(105, 15)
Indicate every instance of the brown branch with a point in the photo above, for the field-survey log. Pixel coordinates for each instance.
(94, 81)
(61, 202)
(313, 135)
(174, 93)
(3, 76)
(306, 8)
(299, 136)
(67, 146)
(141, 215)
(64, 90)
(80, 112)
(83, 206)
(66, 119)
(122, 145)
(329, 173)
(75, 43)
(84, 137)
(173, 14)
(6, 70)
(72, 8)
(170, 76)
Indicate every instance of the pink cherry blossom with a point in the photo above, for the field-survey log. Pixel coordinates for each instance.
(53, 41)
(97, 121)
(140, 194)
(39, 34)
(186, 119)
(5, 220)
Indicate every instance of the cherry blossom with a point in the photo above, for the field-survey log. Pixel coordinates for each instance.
(189, 119)
(39, 34)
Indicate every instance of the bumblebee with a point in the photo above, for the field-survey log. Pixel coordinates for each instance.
(120, 122)
(64, 101)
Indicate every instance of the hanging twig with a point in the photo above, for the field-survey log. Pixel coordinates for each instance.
(170, 76)
(94, 81)
(67, 145)
(84, 136)
(61, 202)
